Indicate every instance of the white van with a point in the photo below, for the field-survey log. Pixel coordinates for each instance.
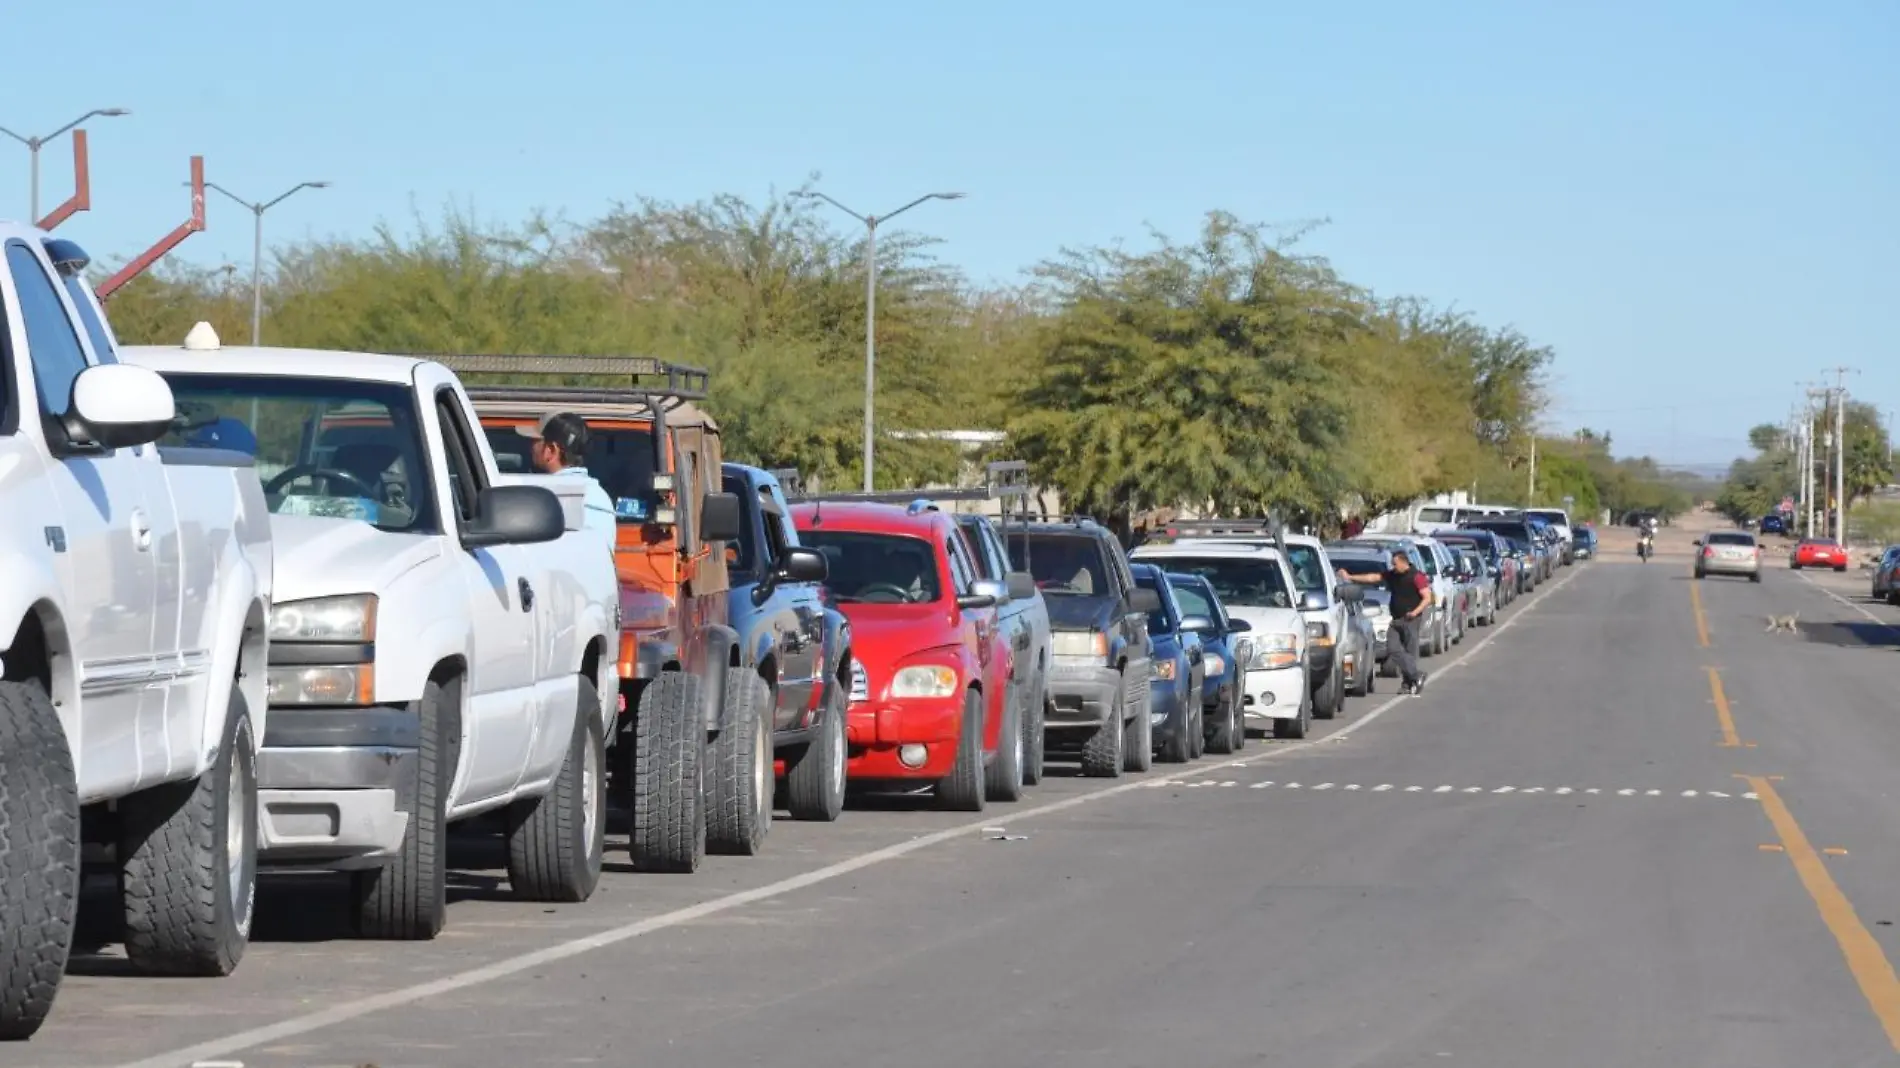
(1431, 518)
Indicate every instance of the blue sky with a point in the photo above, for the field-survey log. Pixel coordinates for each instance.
(1696, 203)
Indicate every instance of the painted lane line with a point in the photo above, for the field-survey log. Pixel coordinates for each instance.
(1385, 786)
(1563, 789)
(1868, 963)
(1354, 786)
(356, 1008)
(1502, 790)
(1723, 716)
(1701, 617)
(1413, 789)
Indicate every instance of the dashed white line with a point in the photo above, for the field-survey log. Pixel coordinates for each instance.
(1520, 791)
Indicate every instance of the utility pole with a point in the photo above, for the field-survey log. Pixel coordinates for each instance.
(34, 144)
(1840, 452)
(1530, 494)
(257, 247)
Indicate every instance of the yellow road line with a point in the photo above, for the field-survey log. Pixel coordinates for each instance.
(1701, 619)
(1865, 959)
(1722, 713)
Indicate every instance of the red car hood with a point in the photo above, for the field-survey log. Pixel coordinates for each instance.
(882, 634)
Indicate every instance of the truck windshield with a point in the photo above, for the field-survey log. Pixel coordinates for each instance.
(1308, 573)
(876, 568)
(1061, 564)
(1239, 582)
(619, 458)
(324, 446)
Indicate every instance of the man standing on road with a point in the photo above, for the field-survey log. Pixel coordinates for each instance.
(1411, 595)
(560, 445)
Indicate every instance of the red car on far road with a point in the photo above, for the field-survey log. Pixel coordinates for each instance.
(1818, 552)
(930, 665)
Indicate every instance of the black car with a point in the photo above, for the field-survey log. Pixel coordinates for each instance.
(1525, 532)
(1491, 549)
(1098, 617)
(791, 637)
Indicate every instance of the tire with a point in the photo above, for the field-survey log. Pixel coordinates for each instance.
(1229, 728)
(1362, 684)
(1102, 753)
(739, 776)
(669, 745)
(556, 842)
(1176, 748)
(1138, 734)
(188, 901)
(814, 784)
(962, 789)
(408, 898)
(1755, 577)
(39, 857)
(1003, 779)
(1332, 693)
(1840, 567)
(1197, 730)
(1698, 574)
(1301, 725)
(1035, 732)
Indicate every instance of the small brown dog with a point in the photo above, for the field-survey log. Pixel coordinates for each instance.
(1787, 623)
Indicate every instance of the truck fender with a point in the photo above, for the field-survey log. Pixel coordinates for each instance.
(240, 635)
(28, 587)
(837, 650)
(709, 657)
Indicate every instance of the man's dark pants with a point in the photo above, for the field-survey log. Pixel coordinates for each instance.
(1405, 648)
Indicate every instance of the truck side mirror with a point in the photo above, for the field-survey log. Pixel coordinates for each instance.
(805, 565)
(515, 515)
(720, 518)
(1021, 585)
(118, 405)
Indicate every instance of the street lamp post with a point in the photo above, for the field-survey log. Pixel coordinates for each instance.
(257, 247)
(34, 144)
(870, 308)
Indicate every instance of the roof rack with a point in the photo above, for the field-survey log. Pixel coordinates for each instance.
(656, 382)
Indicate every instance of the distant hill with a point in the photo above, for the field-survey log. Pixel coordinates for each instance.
(1699, 472)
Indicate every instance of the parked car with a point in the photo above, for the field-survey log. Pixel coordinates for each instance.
(1481, 582)
(1558, 520)
(681, 740)
(1374, 603)
(1024, 620)
(442, 636)
(1586, 542)
(1445, 625)
(1101, 670)
(1225, 653)
(1818, 552)
(1772, 523)
(931, 669)
(1728, 552)
(1255, 584)
(1178, 669)
(1523, 531)
(799, 647)
(134, 614)
(1501, 565)
(1887, 576)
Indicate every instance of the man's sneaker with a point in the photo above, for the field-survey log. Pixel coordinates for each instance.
(1406, 689)
(1419, 686)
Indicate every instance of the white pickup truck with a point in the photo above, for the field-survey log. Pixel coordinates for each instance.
(134, 589)
(442, 637)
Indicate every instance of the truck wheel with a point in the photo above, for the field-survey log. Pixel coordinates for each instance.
(1138, 734)
(739, 812)
(669, 741)
(1228, 727)
(1035, 728)
(556, 841)
(1300, 725)
(189, 861)
(1332, 693)
(39, 857)
(1197, 730)
(1003, 779)
(1175, 748)
(407, 899)
(962, 789)
(1102, 753)
(815, 782)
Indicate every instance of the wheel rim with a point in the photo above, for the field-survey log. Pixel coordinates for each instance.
(762, 767)
(237, 832)
(590, 795)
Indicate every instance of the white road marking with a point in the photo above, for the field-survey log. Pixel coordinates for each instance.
(1382, 786)
(1563, 789)
(1521, 791)
(1503, 790)
(345, 1011)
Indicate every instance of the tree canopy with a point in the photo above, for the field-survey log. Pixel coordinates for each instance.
(1757, 484)
(1228, 370)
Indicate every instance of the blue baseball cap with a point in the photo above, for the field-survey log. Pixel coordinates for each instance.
(225, 433)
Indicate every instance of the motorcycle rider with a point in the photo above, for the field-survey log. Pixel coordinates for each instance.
(1646, 540)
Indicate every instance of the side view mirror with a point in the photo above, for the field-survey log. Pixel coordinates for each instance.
(804, 565)
(1350, 592)
(1313, 601)
(514, 515)
(720, 518)
(118, 405)
(1698, 542)
(1021, 585)
(1198, 624)
(1238, 626)
(984, 593)
(1144, 601)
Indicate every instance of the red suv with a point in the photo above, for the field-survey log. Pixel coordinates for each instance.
(929, 662)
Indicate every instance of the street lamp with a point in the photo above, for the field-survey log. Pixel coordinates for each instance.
(34, 144)
(257, 247)
(870, 305)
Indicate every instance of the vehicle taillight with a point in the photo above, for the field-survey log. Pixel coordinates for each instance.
(1708, 551)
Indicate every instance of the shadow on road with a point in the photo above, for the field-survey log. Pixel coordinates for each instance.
(1852, 635)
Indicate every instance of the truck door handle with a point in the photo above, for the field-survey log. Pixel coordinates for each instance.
(141, 532)
(527, 594)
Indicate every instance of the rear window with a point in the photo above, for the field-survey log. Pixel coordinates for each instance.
(1728, 538)
(1518, 531)
(1551, 516)
(1061, 564)
(1434, 515)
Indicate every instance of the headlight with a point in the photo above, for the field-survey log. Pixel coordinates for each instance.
(1276, 651)
(1164, 670)
(354, 684)
(1215, 663)
(325, 619)
(1082, 643)
(924, 680)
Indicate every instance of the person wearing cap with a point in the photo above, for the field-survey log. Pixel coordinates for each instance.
(560, 444)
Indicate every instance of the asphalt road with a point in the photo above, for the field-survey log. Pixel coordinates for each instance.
(1626, 826)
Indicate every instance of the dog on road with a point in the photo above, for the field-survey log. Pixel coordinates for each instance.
(1780, 623)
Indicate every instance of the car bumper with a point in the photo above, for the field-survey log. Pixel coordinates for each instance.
(336, 788)
(1274, 694)
(1166, 697)
(1083, 694)
(1728, 567)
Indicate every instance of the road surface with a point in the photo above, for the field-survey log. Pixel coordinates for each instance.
(1624, 827)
